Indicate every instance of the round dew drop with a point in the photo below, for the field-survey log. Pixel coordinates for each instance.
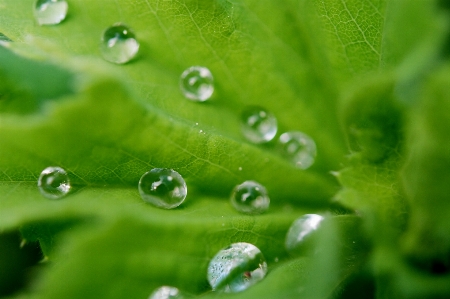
(163, 187)
(54, 183)
(250, 197)
(258, 125)
(301, 230)
(119, 44)
(299, 148)
(197, 83)
(166, 292)
(50, 12)
(236, 268)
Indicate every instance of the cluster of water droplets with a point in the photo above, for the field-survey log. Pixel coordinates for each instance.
(236, 268)
(240, 265)
(260, 126)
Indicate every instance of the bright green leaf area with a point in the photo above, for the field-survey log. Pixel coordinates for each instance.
(366, 79)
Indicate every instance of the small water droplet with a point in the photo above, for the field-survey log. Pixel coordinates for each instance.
(240, 168)
(301, 230)
(276, 259)
(196, 83)
(166, 292)
(236, 268)
(119, 44)
(163, 187)
(54, 183)
(201, 131)
(50, 12)
(299, 148)
(250, 197)
(258, 125)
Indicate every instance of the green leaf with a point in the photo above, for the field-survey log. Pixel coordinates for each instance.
(360, 77)
(426, 174)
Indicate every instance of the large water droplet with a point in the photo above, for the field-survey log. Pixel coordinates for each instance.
(301, 230)
(119, 44)
(250, 197)
(163, 187)
(54, 182)
(299, 148)
(50, 12)
(167, 292)
(236, 268)
(196, 83)
(258, 125)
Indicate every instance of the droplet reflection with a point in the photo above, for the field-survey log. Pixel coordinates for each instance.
(119, 44)
(258, 125)
(301, 230)
(236, 268)
(196, 83)
(163, 187)
(50, 12)
(298, 148)
(250, 197)
(54, 183)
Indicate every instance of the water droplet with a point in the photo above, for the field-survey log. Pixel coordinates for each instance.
(196, 83)
(236, 268)
(301, 230)
(250, 197)
(258, 125)
(54, 182)
(299, 148)
(163, 187)
(50, 12)
(240, 168)
(276, 259)
(119, 44)
(166, 292)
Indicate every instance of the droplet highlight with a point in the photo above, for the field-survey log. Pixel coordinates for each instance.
(258, 125)
(50, 12)
(167, 292)
(163, 187)
(54, 182)
(119, 44)
(236, 268)
(250, 197)
(197, 83)
(301, 230)
(299, 148)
